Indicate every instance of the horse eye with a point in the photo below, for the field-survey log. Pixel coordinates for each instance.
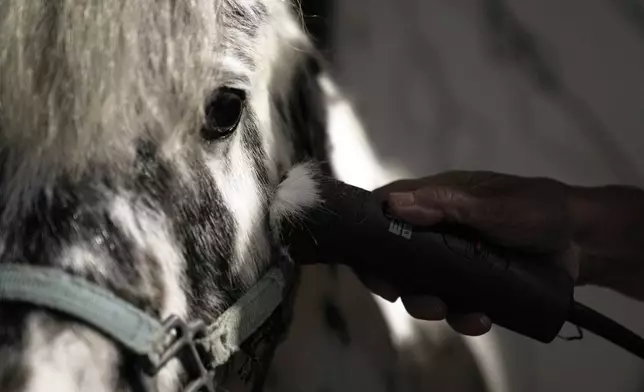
(223, 113)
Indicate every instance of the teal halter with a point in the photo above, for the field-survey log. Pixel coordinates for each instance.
(200, 348)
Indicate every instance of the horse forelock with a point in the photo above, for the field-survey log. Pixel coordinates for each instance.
(82, 80)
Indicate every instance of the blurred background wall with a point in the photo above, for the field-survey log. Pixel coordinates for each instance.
(530, 87)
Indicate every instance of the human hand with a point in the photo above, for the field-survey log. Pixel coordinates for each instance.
(530, 214)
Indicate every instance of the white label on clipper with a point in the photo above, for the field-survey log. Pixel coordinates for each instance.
(400, 228)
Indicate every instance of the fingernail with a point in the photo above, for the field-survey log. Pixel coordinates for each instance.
(486, 322)
(403, 199)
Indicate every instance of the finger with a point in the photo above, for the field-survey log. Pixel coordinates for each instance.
(493, 221)
(457, 205)
(471, 324)
(425, 307)
(403, 206)
(409, 185)
(404, 185)
(432, 204)
(378, 286)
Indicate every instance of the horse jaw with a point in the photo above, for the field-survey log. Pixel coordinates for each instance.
(63, 356)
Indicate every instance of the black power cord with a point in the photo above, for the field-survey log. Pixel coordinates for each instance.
(595, 322)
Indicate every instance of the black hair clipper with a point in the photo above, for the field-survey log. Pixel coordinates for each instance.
(532, 298)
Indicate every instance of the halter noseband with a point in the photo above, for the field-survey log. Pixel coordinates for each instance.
(200, 348)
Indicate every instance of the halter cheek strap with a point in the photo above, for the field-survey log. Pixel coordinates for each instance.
(200, 348)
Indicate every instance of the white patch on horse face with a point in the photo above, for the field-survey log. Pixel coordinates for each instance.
(240, 190)
(277, 145)
(70, 359)
(80, 258)
(152, 236)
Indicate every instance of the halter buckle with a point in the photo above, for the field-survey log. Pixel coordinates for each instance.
(179, 341)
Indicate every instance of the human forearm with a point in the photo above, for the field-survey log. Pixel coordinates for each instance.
(609, 236)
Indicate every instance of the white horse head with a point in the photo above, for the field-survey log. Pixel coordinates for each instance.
(142, 148)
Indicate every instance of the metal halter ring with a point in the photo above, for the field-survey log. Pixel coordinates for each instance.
(180, 341)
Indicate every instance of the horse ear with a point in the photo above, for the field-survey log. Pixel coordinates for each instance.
(307, 113)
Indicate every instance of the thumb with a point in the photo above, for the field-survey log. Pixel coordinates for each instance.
(430, 205)
(405, 206)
